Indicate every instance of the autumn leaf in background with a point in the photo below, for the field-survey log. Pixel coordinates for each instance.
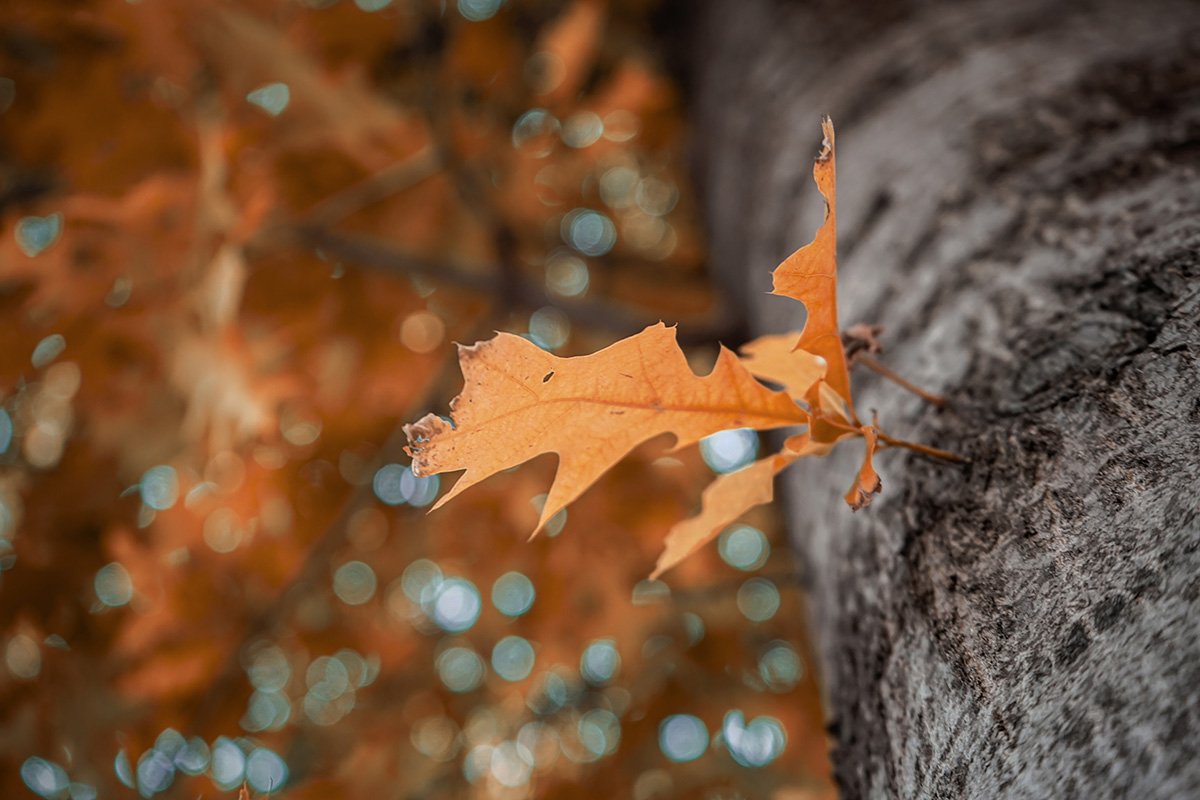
(592, 410)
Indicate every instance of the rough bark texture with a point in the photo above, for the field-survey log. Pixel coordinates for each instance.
(1020, 207)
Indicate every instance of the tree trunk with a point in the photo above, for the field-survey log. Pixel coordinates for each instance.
(1019, 206)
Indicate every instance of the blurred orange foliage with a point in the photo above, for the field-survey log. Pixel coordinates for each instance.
(237, 242)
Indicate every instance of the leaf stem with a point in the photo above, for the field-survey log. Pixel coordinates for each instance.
(892, 441)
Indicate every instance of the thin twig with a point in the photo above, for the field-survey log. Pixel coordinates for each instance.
(923, 449)
(870, 363)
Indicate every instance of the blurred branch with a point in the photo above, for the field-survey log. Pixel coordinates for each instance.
(511, 287)
(724, 324)
(472, 191)
(375, 188)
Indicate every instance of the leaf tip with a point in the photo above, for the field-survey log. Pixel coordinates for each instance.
(463, 483)
(420, 434)
(827, 139)
(466, 352)
(667, 560)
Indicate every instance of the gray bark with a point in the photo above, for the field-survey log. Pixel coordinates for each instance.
(1019, 206)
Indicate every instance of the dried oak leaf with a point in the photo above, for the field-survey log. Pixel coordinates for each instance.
(809, 275)
(520, 401)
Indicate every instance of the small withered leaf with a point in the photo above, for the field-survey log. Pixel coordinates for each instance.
(726, 499)
(867, 483)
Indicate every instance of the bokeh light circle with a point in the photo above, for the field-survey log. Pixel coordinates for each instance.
(266, 771)
(386, 484)
(534, 132)
(160, 487)
(600, 662)
(780, 667)
(354, 583)
(682, 737)
(743, 547)
(589, 232)
(436, 737)
(758, 599)
(420, 580)
(513, 594)
(728, 451)
(512, 658)
(113, 585)
(228, 764)
(460, 669)
(455, 605)
(756, 744)
(44, 778)
(511, 764)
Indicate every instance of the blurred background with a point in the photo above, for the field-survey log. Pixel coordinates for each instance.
(237, 244)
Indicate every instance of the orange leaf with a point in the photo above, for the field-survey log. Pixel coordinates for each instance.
(520, 401)
(775, 358)
(802, 445)
(867, 484)
(726, 498)
(731, 495)
(810, 275)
